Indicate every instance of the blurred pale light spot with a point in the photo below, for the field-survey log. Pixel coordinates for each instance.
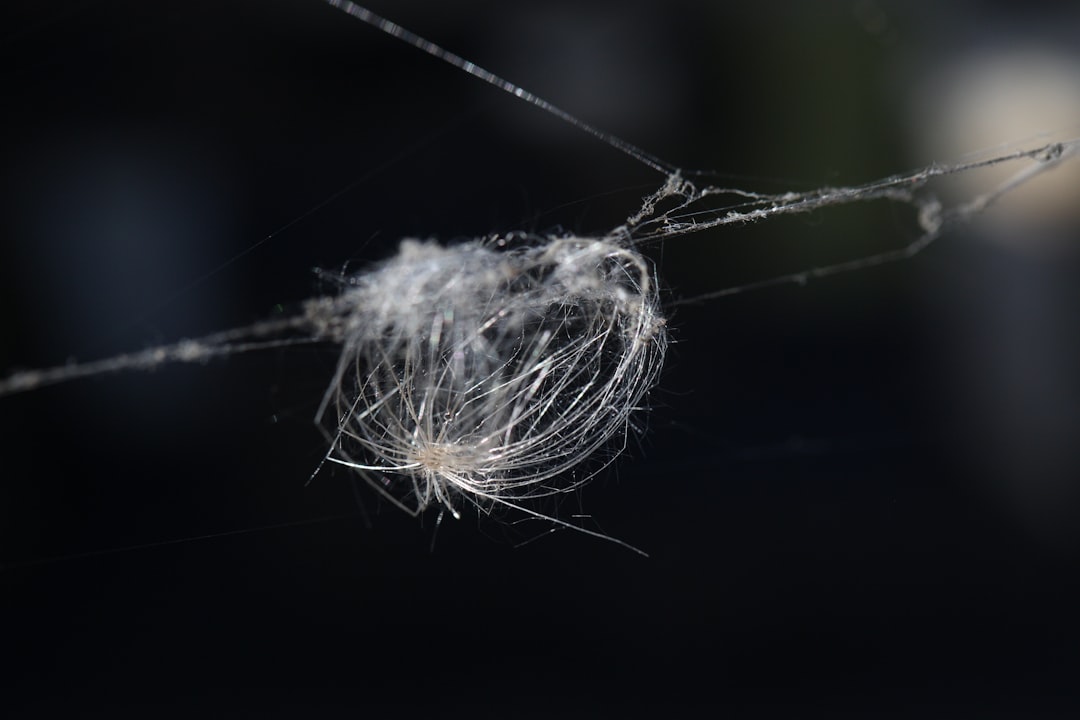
(1006, 98)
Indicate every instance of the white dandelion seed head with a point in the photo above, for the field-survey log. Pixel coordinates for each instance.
(487, 374)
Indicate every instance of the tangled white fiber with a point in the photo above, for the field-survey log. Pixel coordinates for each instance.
(486, 375)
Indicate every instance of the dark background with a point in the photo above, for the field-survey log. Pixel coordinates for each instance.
(859, 496)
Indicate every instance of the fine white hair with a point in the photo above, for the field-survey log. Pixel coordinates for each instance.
(486, 375)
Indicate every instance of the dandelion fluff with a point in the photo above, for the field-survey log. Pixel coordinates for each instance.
(485, 375)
